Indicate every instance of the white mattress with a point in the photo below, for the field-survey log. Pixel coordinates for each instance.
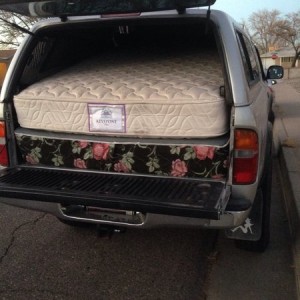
(174, 96)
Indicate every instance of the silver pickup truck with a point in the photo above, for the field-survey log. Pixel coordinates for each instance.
(139, 114)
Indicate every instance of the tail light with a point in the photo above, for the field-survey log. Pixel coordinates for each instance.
(245, 158)
(3, 150)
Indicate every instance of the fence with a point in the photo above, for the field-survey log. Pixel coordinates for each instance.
(292, 73)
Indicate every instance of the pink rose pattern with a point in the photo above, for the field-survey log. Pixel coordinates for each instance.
(162, 160)
(83, 144)
(32, 159)
(203, 152)
(121, 167)
(100, 151)
(79, 163)
(179, 168)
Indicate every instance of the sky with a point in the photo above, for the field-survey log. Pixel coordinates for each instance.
(242, 9)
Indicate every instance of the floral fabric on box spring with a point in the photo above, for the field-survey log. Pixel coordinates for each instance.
(180, 161)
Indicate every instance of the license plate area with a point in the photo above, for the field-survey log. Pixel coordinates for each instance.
(94, 213)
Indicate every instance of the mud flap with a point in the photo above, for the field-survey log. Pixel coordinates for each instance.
(251, 230)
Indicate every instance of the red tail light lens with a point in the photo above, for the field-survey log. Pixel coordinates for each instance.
(245, 160)
(3, 150)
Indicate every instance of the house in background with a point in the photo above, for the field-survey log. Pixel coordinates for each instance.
(282, 57)
(5, 59)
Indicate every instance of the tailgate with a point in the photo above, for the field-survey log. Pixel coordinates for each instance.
(162, 195)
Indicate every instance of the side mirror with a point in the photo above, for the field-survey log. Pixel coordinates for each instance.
(273, 81)
(275, 72)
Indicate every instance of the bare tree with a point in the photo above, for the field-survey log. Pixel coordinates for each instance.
(288, 30)
(262, 24)
(10, 31)
(244, 24)
(269, 28)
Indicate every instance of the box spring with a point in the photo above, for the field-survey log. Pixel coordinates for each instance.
(179, 160)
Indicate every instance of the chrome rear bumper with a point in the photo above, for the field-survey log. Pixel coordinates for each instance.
(129, 218)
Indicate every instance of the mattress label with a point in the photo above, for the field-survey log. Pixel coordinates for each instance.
(107, 118)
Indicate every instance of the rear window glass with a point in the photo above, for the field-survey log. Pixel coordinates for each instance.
(249, 58)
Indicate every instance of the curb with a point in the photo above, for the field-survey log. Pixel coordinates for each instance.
(289, 173)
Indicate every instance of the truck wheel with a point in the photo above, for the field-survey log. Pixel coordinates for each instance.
(265, 189)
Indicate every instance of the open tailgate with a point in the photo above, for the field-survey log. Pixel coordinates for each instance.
(162, 195)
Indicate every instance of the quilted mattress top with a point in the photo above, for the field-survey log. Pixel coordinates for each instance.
(145, 88)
